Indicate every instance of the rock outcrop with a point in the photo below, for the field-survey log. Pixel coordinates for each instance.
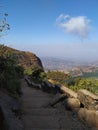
(27, 59)
(88, 99)
(72, 103)
(89, 117)
(23, 58)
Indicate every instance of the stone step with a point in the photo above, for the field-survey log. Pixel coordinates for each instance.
(41, 112)
(41, 122)
(35, 103)
(45, 129)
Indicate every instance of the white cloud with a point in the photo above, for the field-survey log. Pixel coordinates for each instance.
(62, 17)
(78, 26)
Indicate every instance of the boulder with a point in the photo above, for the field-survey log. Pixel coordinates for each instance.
(88, 117)
(88, 99)
(72, 103)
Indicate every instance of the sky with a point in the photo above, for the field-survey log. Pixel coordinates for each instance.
(53, 28)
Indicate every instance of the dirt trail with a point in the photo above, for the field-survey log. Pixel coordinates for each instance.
(37, 117)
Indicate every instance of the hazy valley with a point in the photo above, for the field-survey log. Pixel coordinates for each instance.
(74, 67)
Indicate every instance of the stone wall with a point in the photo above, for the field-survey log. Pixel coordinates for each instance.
(68, 92)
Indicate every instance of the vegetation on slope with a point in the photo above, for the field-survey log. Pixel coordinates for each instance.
(91, 74)
(10, 72)
(57, 76)
(74, 83)
(90, 84)
(37, 74)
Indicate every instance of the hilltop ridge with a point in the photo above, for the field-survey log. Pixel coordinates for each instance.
(23, 58)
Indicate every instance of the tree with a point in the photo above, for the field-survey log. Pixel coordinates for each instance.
(4, 26)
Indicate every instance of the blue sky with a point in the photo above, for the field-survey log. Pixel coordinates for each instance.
(56, 28)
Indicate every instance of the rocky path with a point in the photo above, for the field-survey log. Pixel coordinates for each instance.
(38, 117)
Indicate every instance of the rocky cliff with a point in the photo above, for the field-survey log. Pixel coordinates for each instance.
(27, 59)
(23, 58)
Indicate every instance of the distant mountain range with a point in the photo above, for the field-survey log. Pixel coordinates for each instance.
(50, 63)
(75, 67)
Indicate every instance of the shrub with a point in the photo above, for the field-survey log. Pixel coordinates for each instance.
(37, 73)
(27, 71)
(58, 76)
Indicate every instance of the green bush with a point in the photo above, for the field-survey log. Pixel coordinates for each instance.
(27, 71)
(38, 74)
(90, 84)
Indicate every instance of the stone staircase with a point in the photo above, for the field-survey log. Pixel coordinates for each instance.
(35, 116)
